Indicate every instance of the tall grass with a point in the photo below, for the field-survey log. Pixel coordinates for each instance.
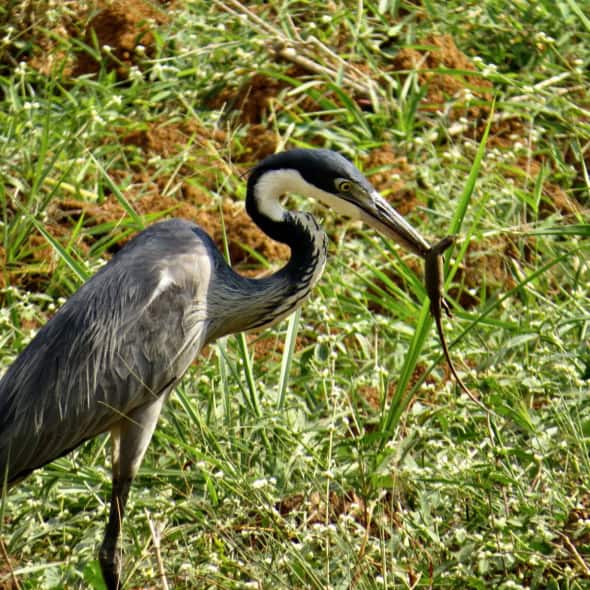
(333, 450)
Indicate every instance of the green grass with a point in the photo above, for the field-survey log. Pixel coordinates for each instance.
(332, 451)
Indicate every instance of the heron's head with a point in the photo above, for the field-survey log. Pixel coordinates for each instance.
(334, 181)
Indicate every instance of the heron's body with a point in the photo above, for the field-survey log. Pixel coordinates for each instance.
(100, 358)
(125, 338)
(113, 353)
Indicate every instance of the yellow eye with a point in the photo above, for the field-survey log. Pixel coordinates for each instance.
(344, 186)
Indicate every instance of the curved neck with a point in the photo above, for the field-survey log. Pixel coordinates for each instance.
(243, 303)
(279, 294)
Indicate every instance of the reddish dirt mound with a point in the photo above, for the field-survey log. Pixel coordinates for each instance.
(503, 132)
(438, 52)
(487, 262)
(490, 262)
(255, 99)
(554, 198)
(576, 518)
(268, 346)
(119, 28)
(122, 32)
(6, 583)
(165, 140)
(389, 173)
(241, 231)
(373, 398)
(316, 509)
(148, 192)
(441, 52)
(258, 143)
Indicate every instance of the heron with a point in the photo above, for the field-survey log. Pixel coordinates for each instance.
(111, 356)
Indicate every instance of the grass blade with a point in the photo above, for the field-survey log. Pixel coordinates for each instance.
(137, 219)
(79, 270)
(400, 399)
(290, 342)
(457, 220)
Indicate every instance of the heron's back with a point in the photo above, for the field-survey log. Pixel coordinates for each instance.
(126, 335)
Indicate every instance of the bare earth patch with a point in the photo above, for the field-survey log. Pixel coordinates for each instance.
(390, 173)
(119, 33)
(439, 52)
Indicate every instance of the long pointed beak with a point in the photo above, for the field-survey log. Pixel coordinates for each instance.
(388, 222)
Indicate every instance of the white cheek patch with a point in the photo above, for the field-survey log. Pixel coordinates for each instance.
(269, 188)
(274, 184)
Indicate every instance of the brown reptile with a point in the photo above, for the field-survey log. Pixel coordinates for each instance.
(434, 281)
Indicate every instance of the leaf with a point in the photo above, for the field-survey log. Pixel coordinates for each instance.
(79, 270)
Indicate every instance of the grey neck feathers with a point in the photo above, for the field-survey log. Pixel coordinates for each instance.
(243, 303)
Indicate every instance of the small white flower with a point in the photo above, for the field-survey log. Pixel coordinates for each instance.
(490, 69)
(135, 74)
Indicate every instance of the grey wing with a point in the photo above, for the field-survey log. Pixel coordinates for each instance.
(126, 336)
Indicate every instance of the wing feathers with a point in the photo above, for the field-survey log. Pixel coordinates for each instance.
(127, 333)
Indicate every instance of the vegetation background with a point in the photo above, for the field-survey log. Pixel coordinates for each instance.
(334, 450)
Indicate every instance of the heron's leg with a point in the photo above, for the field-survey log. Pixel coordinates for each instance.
(110, 562)
(130, 439)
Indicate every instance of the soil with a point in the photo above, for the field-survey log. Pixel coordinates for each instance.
(259, 143)
(487, 263)
(122, 33)
(241, 232)
(440, 51)
(577, 516)
(553, 198)
(192, 203)
(254, 100)
(266, 345)
(125, 28)
(390, 173)
(315, 509)
(372, 396)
